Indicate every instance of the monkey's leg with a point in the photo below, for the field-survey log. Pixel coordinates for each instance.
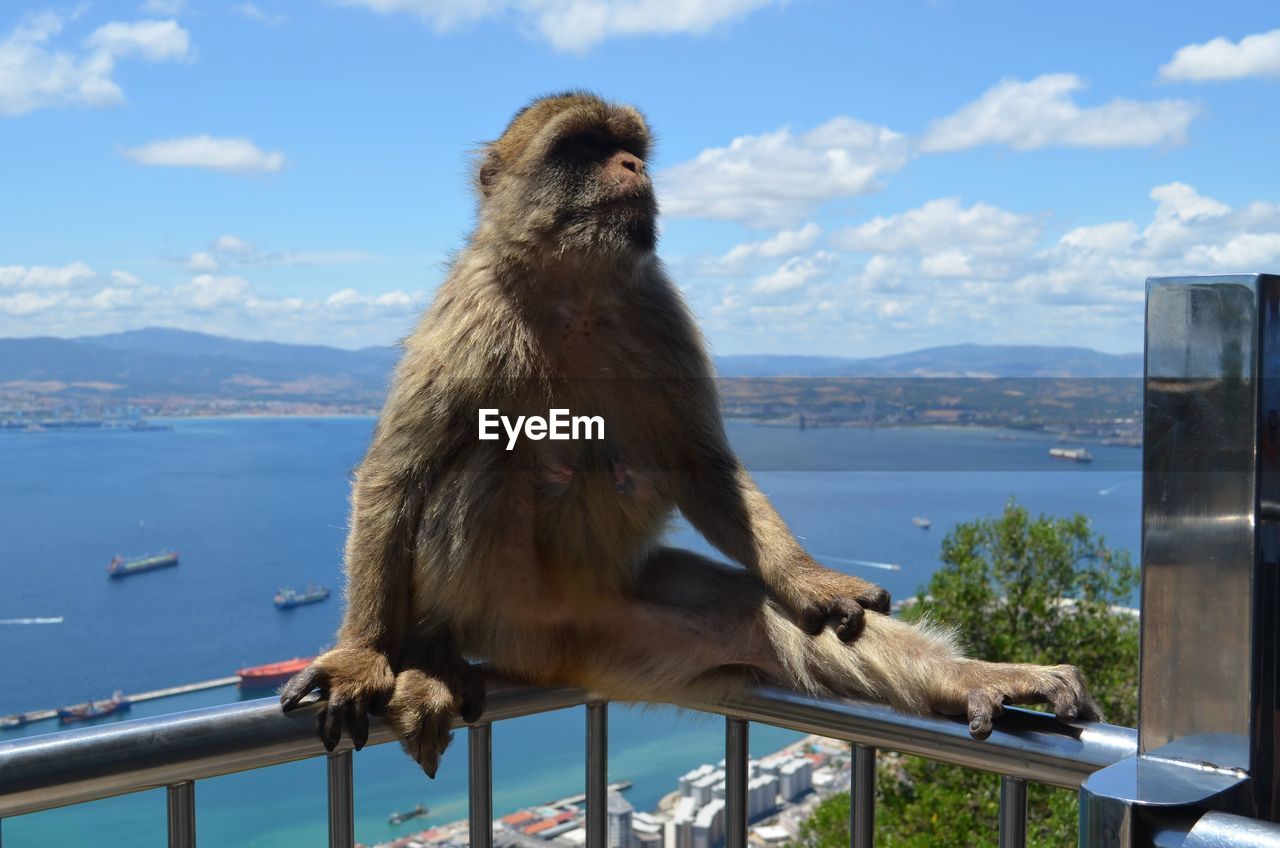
(695, 621)
(721, 500)
(436, 684)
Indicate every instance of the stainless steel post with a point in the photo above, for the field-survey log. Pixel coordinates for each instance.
(1210, 554)
(181, 804)
(735, 782)
(597, 775)
(342, 821)
(480, 785)
(1013, 812)
(862, 789)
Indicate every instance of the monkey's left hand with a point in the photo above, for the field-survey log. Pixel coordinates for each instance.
(819, 596)
(355, 680)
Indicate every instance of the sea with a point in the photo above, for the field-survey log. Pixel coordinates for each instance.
(254, 504)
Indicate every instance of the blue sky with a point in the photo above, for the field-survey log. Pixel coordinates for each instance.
(848, 178)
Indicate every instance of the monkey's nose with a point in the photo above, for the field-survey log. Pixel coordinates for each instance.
(623, 161)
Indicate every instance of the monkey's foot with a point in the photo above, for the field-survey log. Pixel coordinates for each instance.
(981, 691)
(356, 681)
(422, 710)
(821, 597)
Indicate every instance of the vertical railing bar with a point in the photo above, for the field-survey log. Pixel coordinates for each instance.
(480, 785)
(862, 811)
(1013, 812)
(597, 775)
(181, 803)
(342, 822)
(735, 782)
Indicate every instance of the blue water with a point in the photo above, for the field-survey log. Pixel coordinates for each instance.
(256, 504)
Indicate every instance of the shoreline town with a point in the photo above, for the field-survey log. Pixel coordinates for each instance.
(782, 790)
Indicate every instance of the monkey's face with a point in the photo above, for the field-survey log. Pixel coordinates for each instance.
(570, 172)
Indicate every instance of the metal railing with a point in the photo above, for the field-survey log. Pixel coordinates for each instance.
(174, 751)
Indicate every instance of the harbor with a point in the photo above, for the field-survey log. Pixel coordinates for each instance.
(20, 719)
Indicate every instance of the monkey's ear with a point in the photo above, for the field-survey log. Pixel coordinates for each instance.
(488, 174)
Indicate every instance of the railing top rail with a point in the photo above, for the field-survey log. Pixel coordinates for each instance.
(70, 767)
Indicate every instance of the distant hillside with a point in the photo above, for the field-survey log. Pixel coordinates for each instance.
(178, 362)
(965, 360)
(155, 362)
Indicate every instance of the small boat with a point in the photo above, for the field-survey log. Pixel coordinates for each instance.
(400, 818)
(121, 567)
(272, 674)
(290, 598)
(922, 523)
(1071, 454)
(94, 709)
(15, 720)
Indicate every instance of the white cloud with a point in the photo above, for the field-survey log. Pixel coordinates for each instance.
(257, 13)
(44, 276)
(74, 299)
(1221, 59)
(780, 244)
(943, 273)
(229, 250)
(777, 178)
(202, 151)
(942, 226)
(793, 274)
(202, 262)
(35, 75)
(577, 25)
(1042, 113)
(156, 41)
(947, 263)
(164, 7)
(348, 298)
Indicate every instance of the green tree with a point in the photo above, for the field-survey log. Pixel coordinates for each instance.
(1019, 589)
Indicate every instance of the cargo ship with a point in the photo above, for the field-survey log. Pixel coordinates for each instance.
(93, 709)
(271, 675)
(400, 818)
(289, 598)
(121, 567)
(1071, 454)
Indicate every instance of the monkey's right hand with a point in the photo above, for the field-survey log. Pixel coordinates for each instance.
(356, 681)
(819, 597)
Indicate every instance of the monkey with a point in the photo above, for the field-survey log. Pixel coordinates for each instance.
(545, 558)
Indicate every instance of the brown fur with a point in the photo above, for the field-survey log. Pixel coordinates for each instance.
(544, 560)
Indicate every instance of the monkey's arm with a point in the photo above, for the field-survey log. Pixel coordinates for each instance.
(391, 486)
(719, 498)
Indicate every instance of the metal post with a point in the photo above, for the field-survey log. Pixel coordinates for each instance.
(342, 823)
(597, 775)
(1209, 706)
(735, 782)
(1013, 812)
(862, 789)
(480, 785)
(181, 803)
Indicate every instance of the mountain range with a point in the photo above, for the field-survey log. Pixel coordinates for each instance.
(160, 361)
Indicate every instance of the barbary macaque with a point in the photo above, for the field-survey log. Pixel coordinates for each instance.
(543, 556)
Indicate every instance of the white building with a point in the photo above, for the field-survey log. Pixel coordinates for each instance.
(708, 826)
(703, 790)
(619, 814)
(679, 830)
(762, 795)
(795, 777)
(687, 779)
(649, 830)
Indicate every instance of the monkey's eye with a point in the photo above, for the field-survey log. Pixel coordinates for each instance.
(588, 143)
